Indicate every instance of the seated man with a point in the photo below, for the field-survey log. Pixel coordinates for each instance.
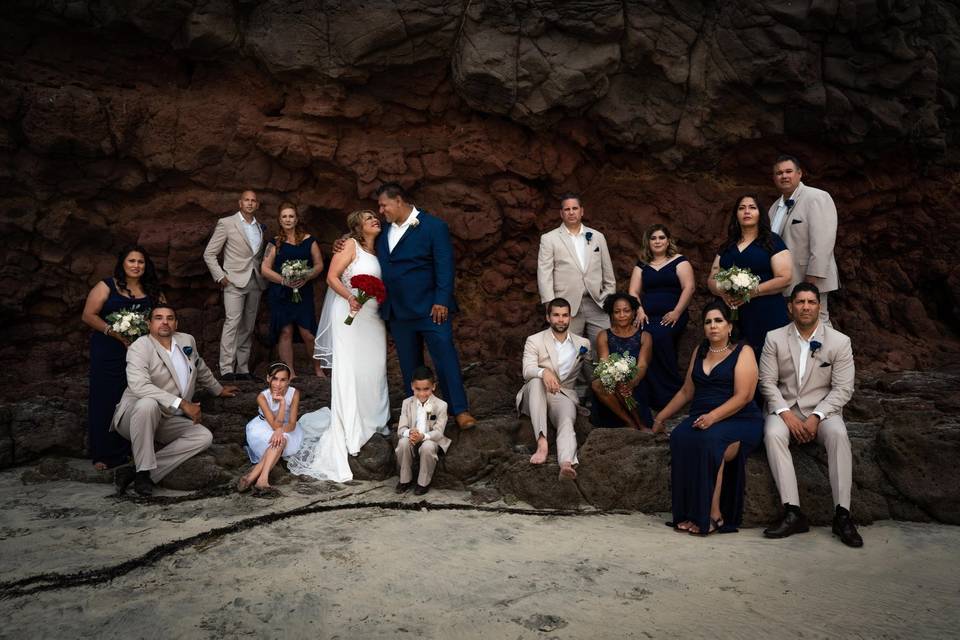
(162, 372)
(806, 377)
(551, 363)
(423, 419)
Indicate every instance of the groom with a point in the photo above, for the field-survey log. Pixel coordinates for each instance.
(416, 258)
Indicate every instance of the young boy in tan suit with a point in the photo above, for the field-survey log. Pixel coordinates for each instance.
(423, 418)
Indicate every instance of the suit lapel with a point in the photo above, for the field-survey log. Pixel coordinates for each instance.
(406, 234)
(567, 241)
(794, 346)
(243, 234)
(551, 348)
(168, 363)
(812, 361)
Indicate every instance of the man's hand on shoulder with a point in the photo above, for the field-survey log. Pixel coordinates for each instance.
(339, 243)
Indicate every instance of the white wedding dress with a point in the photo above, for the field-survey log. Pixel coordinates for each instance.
(359, 399)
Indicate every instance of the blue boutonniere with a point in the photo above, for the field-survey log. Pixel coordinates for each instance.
(432, 416)
(814, 347)
(583, 351)
(187, 351)
(789, 202)
(589, 235)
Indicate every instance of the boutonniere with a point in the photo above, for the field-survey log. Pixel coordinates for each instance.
(187, 351)
(583, 352)
(589, 235)
(428, 407)
(814, 347)
(415, 223)
(789, 202)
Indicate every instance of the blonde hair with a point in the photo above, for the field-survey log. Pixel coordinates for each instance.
(355, 223)
(645, 254)
(298, 232)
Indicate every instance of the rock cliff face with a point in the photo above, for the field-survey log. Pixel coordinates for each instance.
(142, 121)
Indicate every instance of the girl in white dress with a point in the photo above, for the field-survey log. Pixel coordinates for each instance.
(357, 355)
(274, 432)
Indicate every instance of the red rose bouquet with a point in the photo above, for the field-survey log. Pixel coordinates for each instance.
(368, 287)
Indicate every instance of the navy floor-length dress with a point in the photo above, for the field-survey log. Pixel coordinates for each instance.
(283, 310)
(600, 415)
(696, 454)
(660, 294)
(763, 313)
(108, 379)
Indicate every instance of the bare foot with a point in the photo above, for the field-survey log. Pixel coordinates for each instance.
(659, 427)
(684, 526)
(243, 484)
(539, 457)
(567, 472)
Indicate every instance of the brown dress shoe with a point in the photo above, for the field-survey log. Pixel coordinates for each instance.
(466, 421)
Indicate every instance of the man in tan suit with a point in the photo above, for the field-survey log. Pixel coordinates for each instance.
(423, 419)
(574, 263)
(163, 369)
(551, 363)
(806, 219)
(806, 377)
(241, 239)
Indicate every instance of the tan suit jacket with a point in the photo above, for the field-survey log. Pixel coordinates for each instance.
(240, 263)
(559, 274)
(540, 352)
(150, 374)
(827, 383)
(810, 232)
(436, 420)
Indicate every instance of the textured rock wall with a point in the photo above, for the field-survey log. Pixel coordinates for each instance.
(141, 121)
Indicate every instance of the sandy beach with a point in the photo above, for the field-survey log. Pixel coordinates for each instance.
(226, 566)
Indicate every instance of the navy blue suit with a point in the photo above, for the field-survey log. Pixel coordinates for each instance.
(418, 274)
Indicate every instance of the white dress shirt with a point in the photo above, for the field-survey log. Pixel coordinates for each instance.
(580, 244)
(776, 225)
(396, 231)
(181, 367)
(253, 232)
(421, 425)
(805, 358)
(566, 357)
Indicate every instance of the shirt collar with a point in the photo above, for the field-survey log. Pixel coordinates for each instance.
(813, 335)
(580, 232)
(563, 342)
(783, 198)
(406, 223)
(251, 223)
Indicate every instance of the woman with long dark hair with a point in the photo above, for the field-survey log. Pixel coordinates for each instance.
(708, 450)
(752, 245)
(134, 286)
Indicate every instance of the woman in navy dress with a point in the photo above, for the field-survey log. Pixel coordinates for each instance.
(623, 336)
(292, 243)
(752, 245)
(663, 282)
(134, 285)
(708, 450)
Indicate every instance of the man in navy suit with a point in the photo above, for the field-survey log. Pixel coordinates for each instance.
(416, 258)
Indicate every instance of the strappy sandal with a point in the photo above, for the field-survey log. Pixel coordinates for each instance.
(676, 526)
(714, 527)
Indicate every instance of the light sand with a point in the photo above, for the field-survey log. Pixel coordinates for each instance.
(378, 573)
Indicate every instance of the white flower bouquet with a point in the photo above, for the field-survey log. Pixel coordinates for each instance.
(130, 323)
(615, 371)
(293, 270)
(738, 283)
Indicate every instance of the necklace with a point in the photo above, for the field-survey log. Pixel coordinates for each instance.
(721, 349)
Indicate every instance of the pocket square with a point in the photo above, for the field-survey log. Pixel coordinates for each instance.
(596, 250)
(825, 364)
(796, 221)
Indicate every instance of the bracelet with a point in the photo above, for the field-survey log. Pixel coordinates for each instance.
(107, 331)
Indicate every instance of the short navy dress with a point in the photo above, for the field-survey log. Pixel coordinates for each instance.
(696, 454)
(600, 415)
(283, 310)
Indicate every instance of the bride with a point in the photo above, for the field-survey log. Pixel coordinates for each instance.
(359, 400)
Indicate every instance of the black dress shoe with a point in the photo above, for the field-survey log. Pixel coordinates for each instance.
(142, 483)
(228, 377)
(123, 476)
(402, 487)
(843, 528)
(419, 491)
(793, 522)
(249, 377)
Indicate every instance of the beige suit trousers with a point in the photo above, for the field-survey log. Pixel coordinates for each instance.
(832, 434)
(589, 321)
(428, 452)
(143, 425)
(240, 306)
(560, 410)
